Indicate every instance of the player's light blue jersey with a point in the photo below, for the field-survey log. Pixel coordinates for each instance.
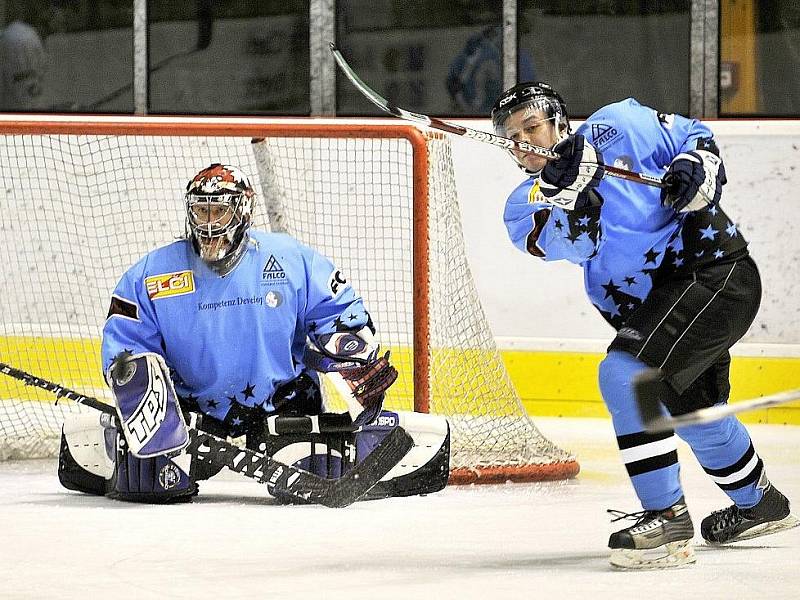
(632, 239)
(230, 341)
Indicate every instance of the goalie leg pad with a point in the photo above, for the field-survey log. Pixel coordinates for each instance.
(426, 467)
(157, 480)
(423, 470)
(86, 453)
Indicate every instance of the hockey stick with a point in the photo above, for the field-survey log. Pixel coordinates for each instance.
(480, 136)
(290, 480)
(648, 388)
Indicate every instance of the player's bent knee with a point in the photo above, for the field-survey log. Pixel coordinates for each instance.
(423, 470)
(615, 375)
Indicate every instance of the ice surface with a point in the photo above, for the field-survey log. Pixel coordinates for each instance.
(531, 541)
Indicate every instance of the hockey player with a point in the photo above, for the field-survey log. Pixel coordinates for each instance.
(232, 324)
(670, 271)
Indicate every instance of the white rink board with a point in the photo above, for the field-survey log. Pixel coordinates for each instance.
(529, 303)
(542, 305)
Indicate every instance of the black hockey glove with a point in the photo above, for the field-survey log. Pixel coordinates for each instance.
(564, 182)
(694, 180)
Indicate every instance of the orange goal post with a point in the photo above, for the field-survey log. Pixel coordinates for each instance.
(83, 198)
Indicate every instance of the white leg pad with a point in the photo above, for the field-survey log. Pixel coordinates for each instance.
(429, 433)
(85, 436)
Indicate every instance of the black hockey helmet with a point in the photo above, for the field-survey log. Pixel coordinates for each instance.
(534, 94)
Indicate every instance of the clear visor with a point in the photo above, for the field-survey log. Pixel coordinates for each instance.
(528, 116)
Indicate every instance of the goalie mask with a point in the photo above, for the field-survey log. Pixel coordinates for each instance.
(535, 100)
(219, 206)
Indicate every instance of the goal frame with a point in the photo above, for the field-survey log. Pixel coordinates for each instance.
(259, 128)
(256, 128)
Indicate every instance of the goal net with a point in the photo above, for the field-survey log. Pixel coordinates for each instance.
(84, 199)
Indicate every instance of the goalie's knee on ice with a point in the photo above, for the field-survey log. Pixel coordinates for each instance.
(423, 470)
(94, 459)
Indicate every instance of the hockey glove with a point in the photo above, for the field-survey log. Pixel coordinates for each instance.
(565, 182)
(361, 375)
(694, 180)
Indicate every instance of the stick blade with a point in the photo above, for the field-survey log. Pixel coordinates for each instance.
(365, 475)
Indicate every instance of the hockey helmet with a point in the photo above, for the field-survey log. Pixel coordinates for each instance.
(219, 208)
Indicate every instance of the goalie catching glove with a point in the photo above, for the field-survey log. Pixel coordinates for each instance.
(354, 364)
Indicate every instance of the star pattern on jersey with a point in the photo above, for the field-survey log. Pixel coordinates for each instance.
(582, 228)
(651, 255)
(618, 305)
(709, 233)
(248, 391)
(238, 417)
(610, 288)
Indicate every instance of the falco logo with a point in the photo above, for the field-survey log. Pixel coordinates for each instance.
(273, 270)
(602, 134)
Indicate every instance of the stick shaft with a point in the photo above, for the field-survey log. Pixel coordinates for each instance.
(714, 413)
(298, 483)
(480, 136)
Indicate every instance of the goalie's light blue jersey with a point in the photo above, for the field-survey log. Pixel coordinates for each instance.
(632, 239)
(230, 340)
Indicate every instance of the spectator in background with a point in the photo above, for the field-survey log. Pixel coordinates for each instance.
(22, 61)
(475, 77)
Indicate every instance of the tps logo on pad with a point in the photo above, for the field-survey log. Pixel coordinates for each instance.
(169, 284)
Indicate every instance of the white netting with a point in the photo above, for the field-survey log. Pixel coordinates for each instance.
(76, 211)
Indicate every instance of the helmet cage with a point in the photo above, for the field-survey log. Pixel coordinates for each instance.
(206, 220)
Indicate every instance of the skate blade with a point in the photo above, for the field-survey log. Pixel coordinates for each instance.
(668, 556)
(788, 522)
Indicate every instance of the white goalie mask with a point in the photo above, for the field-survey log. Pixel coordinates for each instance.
(219, 208)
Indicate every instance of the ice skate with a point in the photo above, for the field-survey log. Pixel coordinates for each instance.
(659, 539)
(734, 524)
